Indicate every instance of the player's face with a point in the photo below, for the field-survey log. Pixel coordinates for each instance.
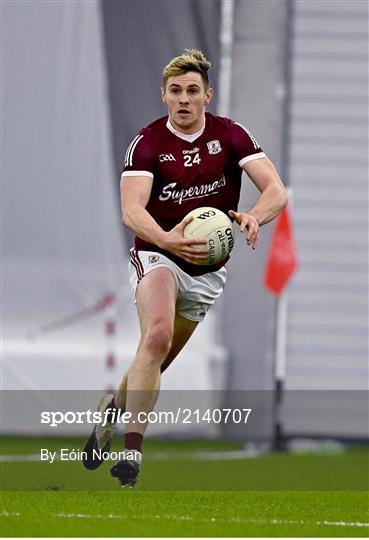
(186, 97)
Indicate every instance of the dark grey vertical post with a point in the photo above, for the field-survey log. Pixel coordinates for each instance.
(248, 310)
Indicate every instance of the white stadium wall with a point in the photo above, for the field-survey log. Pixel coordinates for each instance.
(327, 322)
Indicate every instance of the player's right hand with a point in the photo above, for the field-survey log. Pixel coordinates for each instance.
(188, 249)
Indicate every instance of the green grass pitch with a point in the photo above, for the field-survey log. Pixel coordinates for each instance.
(179, 494)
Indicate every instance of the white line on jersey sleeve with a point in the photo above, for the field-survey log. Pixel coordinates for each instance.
(250, 158)
(254, 141)
(131, 149)
(137, 173)
(128, 151)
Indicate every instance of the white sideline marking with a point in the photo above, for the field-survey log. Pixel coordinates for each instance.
(160, 456)
(22, 457)
(207, 520)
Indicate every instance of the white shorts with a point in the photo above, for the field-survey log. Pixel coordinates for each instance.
(195, 293)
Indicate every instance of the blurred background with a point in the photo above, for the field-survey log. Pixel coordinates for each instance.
(80, 79)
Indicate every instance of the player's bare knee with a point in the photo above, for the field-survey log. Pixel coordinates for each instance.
(158, 339)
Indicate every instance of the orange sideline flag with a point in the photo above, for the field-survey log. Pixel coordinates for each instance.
(282, 257)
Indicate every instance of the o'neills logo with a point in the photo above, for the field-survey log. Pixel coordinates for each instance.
(170, 192)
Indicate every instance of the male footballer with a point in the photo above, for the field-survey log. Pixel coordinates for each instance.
(182, 161)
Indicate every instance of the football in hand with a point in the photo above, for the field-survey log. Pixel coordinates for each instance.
(215, 227)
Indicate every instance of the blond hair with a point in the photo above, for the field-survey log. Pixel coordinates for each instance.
(190, 60)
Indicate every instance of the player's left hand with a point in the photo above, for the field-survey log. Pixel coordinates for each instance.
(248, 222)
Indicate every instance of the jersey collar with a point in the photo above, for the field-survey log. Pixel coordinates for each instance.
(189, 138)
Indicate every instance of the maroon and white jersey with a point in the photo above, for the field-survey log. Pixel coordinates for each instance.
(189, 171)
